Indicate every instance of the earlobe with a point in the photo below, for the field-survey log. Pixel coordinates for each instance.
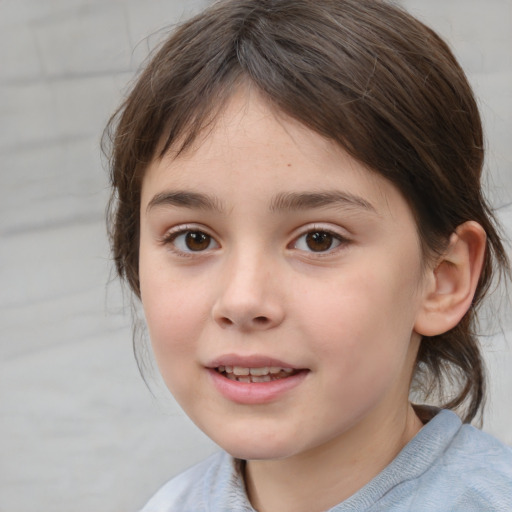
(453, 281)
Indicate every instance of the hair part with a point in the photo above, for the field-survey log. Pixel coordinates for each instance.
(362, 73)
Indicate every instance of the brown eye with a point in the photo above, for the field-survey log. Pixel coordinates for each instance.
(318, 241)
(188, 241)
(197, 240)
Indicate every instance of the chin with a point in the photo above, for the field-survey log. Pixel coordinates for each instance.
(253, 453)
(257, 447)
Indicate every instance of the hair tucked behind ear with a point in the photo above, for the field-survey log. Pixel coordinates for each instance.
(362, 73)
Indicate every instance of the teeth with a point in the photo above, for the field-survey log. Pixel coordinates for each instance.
(259, 371)
(265, 370)
(238, 370)
(263, 374)
(263, 378)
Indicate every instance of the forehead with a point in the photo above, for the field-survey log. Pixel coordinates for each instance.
(254, 151)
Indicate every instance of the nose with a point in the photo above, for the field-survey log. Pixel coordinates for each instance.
(249, 297)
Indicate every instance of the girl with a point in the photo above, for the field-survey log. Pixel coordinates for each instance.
(297, 204)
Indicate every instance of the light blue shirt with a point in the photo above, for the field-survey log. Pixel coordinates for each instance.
(446, 467)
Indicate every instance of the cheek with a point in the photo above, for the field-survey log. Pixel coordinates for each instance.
(172, 319)
(364, 319)
(173, 330)
(173, 313)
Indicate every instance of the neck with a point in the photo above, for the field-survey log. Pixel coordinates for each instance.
(322, 477)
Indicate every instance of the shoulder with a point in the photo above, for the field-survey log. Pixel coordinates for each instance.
(481, 469)
(448, 466)
(477, 454)
(195, 489)
(470, 470)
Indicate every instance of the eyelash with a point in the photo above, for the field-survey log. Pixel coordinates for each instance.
(338, 240)
(169, 240)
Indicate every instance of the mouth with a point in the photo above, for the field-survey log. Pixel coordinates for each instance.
(255, 375)
(254, 379)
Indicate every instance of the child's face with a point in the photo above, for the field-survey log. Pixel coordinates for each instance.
(265, 246)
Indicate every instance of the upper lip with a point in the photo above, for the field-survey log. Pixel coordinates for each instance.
(253, 361)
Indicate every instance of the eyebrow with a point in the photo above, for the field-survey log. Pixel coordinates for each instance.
(308, 200)
(185, 199)
(286, 201)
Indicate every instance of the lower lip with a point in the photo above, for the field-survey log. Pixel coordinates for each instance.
(255, 392)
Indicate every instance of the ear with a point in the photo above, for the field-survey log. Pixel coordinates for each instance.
(451, 284)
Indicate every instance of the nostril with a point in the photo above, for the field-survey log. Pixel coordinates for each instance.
(244, 319)
(226, 321)
(256, 321)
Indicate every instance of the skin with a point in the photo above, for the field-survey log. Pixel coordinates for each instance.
(346, 314)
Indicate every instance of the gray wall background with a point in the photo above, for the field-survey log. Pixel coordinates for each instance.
(79, 431)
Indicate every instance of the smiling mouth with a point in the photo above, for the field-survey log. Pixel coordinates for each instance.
(248, 375)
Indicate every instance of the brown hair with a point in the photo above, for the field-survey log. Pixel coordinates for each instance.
(362, 73)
